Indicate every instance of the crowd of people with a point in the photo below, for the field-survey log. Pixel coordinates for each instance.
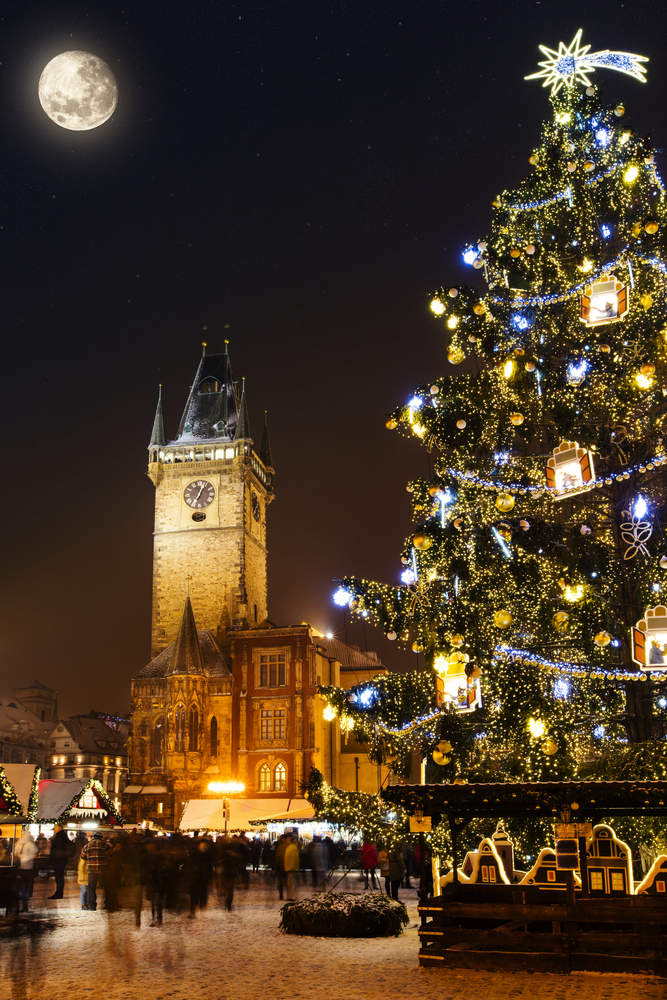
(177, 871)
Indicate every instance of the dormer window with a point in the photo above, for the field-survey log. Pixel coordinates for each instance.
(220, 426)
(187, 429)
(209, 385)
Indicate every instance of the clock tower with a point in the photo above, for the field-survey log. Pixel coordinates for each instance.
(212, 491)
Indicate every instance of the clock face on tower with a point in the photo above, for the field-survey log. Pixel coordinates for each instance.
(199, 494)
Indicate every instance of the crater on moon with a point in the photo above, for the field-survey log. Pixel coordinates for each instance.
(78, 91)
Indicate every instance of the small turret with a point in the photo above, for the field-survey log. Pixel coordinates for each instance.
(157, 435)
(243, 424)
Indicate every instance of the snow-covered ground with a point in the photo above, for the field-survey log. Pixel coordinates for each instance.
(242, 956)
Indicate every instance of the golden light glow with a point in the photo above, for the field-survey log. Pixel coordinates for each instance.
(508, 369)
(226, 787)
(631, 174)
(440, 664)
(536, 728)
(437, 307)
(586, 266)
(564, 117)
(453, 322)
(329, 713)
(573, 594)
(643, 381)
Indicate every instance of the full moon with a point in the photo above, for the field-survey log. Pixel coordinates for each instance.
(78, 91)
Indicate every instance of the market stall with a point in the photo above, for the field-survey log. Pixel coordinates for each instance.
(577, 909)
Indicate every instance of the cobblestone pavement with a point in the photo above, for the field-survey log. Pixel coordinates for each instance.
(221, 956)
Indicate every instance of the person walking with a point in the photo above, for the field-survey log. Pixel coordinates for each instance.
(201, 863)
(393, 869)
(96, 853)
(230, 861)
(255, 853)
(25, 852)
(291, 865)
(368, 860)
(61, 852)
(318, 857)
(279, 863)
(82, 880)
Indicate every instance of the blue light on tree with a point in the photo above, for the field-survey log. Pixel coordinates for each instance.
(606, 232)
(416, 402)
(469, 256)
(408, 576)
(520, 322)
(342, 597)
(561, 688)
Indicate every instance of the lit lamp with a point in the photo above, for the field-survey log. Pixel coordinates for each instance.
(226, 787)
(604, 301)
(570, 468)
(649, 639)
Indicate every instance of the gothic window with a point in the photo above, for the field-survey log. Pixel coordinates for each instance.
(214, 737)
(179, 730)
(280, 783)
(158, 742)
(264, 783)
(272, 670)
(193, 729)
(110, 783)
(272, 724)
(209, 385)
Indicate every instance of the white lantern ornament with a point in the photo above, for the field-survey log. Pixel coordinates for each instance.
(604, 301)
(649, 639)
(570, 468)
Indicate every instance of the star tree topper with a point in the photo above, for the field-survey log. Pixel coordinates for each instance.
(572, 64)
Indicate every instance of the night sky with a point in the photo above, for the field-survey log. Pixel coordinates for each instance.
(305, 173)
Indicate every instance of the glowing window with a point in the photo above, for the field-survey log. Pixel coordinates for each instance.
(597, 882)
(273, 725)
(265, 778)
(551, 875)
(617, 882)
(280, 784)
(485, 873)
(659, 886)
(492, 874)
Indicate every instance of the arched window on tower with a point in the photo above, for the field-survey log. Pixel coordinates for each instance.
(193, 729)
(280, 782)
(209, 385)
(214, 737)
(264, 778)
(179, 730)
(158, 741)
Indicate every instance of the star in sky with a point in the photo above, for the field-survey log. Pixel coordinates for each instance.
(572, 64)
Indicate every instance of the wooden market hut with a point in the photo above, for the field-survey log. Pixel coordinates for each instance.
(532, 928)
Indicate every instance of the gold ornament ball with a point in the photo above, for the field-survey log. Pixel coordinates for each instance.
(652, 227)
(479, 309)
(422, 541)
(461, 424)
(647, 369)
(588, 166)
(646, 301)
(453, 292)
(663, 562)
(457, 639)
(519, 352)
(434, 489)
(560, 620)
(516, 419)
(529, 366)
(458, 522)
(619, 111)
(391, 424)
(505, 502)
(602, 639)
(444, 746)
(605, 348)
(550, 747)
(440, 758)
(530, 249)
(472, 338)
(571, 166)
(455, 357)
(417, 647)
(515, 252)
(477, 263)
(533, 158)
(476, 672)
(502, 619)
(524, 525)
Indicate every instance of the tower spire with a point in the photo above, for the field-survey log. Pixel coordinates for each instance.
(243, 424)
(157, 435)
(265, 450)
(186, 658)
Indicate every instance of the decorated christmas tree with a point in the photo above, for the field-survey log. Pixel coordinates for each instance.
(533, 579)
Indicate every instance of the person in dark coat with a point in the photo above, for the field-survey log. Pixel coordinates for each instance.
(230, 863)
(255, 853)
(61, 850)
(200, 870)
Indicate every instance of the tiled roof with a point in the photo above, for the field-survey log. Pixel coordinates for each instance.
(349, 657)
(94, 736)
(213, 661)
